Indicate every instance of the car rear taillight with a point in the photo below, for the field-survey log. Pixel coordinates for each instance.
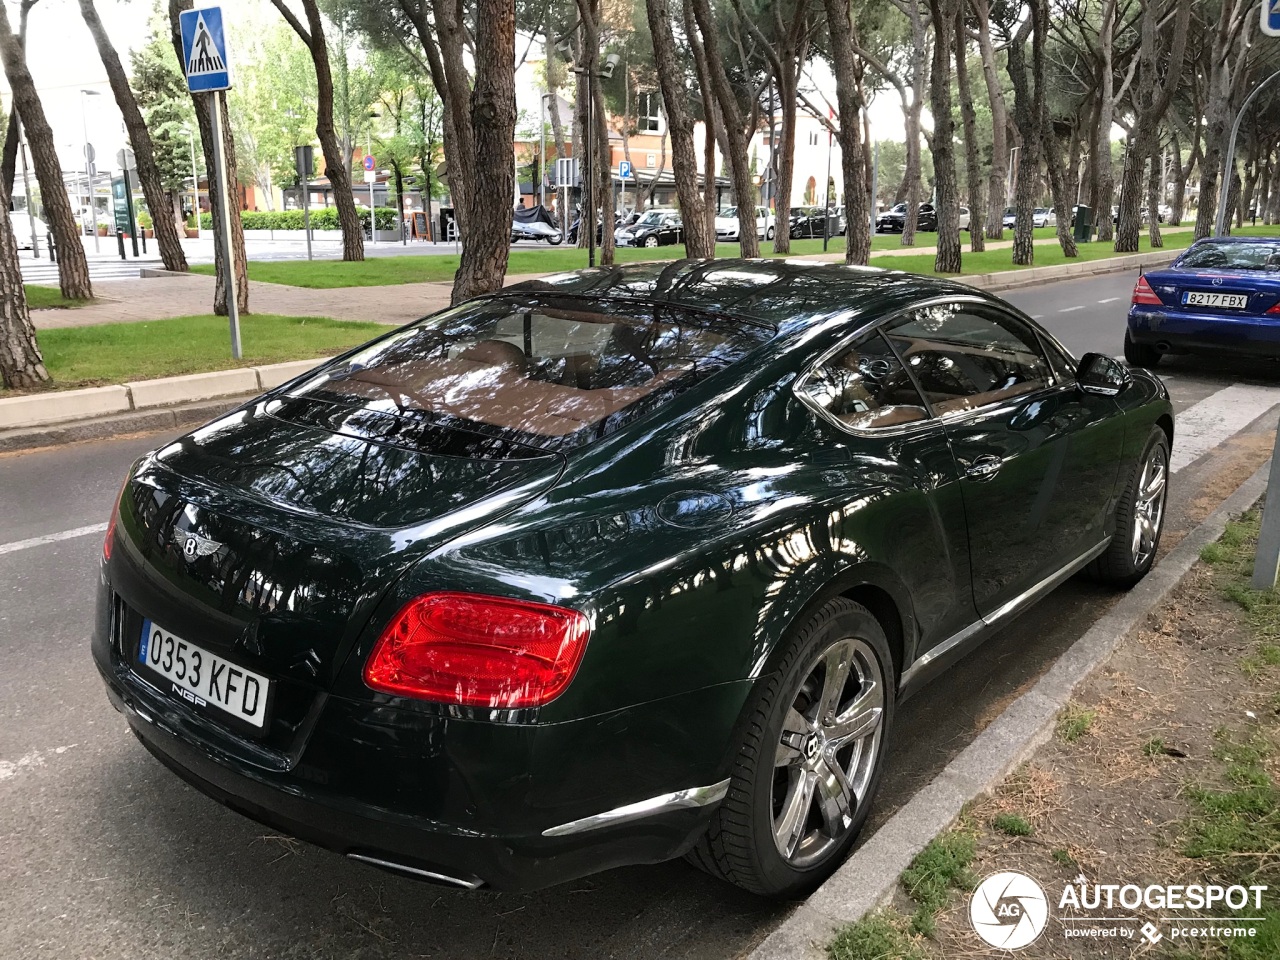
(1275, 309)
(1144, 296)
(478, 651)
(111, 532)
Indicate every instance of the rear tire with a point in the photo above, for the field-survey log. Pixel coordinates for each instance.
(1140, 354)
(810, 758)
(1139, 519)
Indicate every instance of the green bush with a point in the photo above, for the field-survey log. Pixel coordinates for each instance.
(322, 218)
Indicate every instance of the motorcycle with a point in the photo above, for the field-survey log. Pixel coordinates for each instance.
(535, 223)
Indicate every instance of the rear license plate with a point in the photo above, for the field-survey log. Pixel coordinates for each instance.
(204, 679)
(1232, 301)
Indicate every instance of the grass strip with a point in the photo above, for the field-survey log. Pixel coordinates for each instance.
(118, 352)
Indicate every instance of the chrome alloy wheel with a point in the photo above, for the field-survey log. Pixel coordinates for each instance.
(1148, 507)
(827, 753)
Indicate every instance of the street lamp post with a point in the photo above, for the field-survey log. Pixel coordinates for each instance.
(88, 166)
(195, 179)
(604, 73)
(26, 190)
(372, 176)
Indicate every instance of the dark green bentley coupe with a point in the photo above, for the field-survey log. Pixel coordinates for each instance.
(616, 565)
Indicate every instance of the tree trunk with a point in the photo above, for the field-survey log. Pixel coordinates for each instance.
(947, 260)
(1233, 201)
(1028, 116)
(735, 127)
(166, 228)
(996, 180)
(788, 81)
(204, 119)
(601, 165)
(1225, 74)
(337, 166)
(911, 118)
(73, 268)
(713, 130)
(969, 119)
(1059, 189)
(1154, 180)
(1104, 185)
(12, 137)
(441, 38)
(857, 247)
(21, 366)
(493, 124)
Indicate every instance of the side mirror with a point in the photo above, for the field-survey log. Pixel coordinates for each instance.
(1101, 375)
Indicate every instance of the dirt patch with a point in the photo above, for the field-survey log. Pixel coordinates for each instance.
(1186, 709)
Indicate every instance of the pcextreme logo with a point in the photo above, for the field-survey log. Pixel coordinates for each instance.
(1009, 910)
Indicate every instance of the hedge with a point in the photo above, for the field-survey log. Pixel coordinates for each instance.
(322, 218)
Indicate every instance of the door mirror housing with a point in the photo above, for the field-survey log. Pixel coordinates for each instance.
(1101, 375)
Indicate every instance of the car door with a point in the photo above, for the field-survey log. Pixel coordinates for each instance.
(880, 450)
(1038, 457)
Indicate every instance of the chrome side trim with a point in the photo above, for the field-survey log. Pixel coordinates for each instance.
(418, 872)
(681, 799)
(1007, 609)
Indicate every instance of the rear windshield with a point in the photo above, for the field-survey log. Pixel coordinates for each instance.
(1228, 255)
(530, 376)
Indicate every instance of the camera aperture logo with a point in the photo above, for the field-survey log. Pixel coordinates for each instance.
(1009, 910)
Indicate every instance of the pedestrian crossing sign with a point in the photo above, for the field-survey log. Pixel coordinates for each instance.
(1271, 17)
(204, 50)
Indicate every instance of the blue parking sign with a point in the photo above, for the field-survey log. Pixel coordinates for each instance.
(624, 170)
(204, 50)
(1271, 17)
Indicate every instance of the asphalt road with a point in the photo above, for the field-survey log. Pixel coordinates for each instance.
(104, 854)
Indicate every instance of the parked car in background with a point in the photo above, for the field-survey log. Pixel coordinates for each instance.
(610, 567)
(657, 227)
(1222, 295)
(894, 219)
(808, 222)
(22, 225)
(727, 224)
(1044, 217)
(965, 218)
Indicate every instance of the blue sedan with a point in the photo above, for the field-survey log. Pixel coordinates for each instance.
(1221, 296)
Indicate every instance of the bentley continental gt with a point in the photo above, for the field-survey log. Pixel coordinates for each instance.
(615, 566)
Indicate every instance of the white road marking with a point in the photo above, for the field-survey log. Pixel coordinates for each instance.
(1071, 309)
(51, 538)
(1037, 316)
(1203, 426)
(1109, 300)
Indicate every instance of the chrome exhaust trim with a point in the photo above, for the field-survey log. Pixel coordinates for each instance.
(641, 809)
(418, 872)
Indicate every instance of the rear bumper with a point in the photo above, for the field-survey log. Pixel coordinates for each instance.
(512, 806)
(648, 832)
(1177, 331)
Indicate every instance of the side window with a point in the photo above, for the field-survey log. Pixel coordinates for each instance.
(865, 387)
(965, 356)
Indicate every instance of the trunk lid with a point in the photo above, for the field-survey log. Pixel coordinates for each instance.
(1175, 287)
(270, 544)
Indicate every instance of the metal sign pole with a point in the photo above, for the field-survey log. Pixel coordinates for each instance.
(224, 221)
(1224, 188)
(26, 191)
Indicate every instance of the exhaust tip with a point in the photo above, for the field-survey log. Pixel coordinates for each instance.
(1163, 346)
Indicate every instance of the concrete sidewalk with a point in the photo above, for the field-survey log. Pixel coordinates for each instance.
(156, 298)
(172, 295)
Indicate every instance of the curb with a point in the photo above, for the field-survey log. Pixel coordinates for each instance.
(57, 407)
(101, 428)
(1014, 279)
(868, 878)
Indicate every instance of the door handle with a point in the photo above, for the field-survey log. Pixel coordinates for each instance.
(984, 468)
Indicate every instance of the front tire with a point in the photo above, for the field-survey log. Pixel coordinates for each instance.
(1139, 519)
(810, 758)
(555, 240)
(651, 242)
